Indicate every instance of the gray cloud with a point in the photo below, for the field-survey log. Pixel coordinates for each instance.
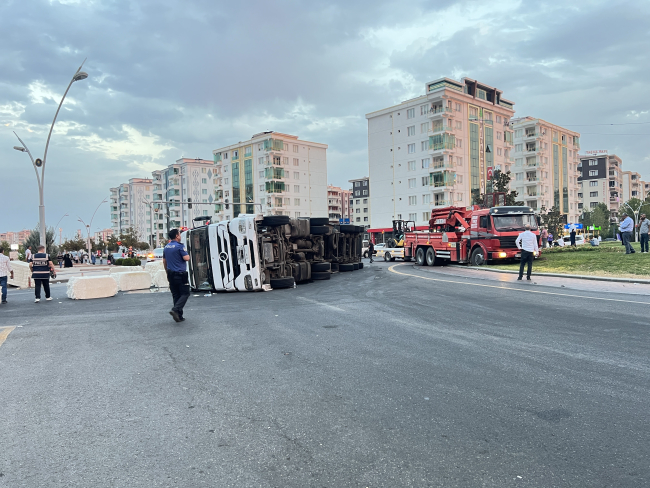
(171, 79)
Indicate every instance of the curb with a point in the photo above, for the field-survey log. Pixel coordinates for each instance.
(560, 275)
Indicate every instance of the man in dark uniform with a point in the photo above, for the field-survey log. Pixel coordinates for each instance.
(41, 266)
(174, 258)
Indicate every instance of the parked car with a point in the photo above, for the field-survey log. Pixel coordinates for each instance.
(379, 250)
(580, 239)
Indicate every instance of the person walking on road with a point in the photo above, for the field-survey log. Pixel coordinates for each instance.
(5, 273)
(644, 227)
(626, 228)
(371, 250)
(527, 242)
(41, 267)
(174, 262)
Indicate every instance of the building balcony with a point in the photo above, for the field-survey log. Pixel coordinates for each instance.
(438, 111)
(441, 203)
(531, 135)
(441, 128)
(531, 181)
(442, 165)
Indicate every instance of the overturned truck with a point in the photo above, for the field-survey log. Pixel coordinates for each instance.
(255, 252)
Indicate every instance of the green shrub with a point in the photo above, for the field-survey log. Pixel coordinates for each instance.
(128, 262)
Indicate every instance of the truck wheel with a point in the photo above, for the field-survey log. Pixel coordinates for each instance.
(478, 257)
(319, 221)
(386, 256)
(272, 220)
(355, 265)
(346, 267)
(319, 230)
(360, 229)
(391, 242)
(320, 275)
(348, 228)
(365, 254)
(279, 283)
(392, 259)
(320, 267)
(431, 257)
(420, 257)
(335, 267)
(360, 265)
(407, 259)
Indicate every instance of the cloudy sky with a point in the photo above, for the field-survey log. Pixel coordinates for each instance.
(170, 79)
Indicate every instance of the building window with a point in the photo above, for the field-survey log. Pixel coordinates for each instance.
(411, 165)
(261, 188)
(285, 161)
(425, 181)
(424, 109)
(411, 148)
(426, 199)
(595, 183)
(426, 162)
(410, 131)
(424, 145)
(410, 113)
(204, 191)
(593, 162)
(295, 148)
(413, 200)
(358, 210)
(459, 143)
(296, 175)
(296, 188)
(593, 172)
(261, 174)
(365, 192)
(424, 127)
(411, 182)
(413, 216)
(358, 219)
(459, 124)
(593, 204)
(296, 162)
(593, 193)
(225, 181)
(365, 182)
(458, 107)
(498, 151)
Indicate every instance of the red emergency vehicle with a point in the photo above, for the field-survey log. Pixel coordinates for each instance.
(472, 235)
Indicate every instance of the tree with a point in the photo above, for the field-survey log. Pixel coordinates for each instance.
(600, 217)
(129, 238)
(553, 220)
(586, 218)
(34, 240)
(111, 244)
(6, 247)
(74, 244)
(500, 182)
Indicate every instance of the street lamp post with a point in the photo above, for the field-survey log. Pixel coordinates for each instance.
(636, 219)
(57, 225)
(90, 224)
(40, 163)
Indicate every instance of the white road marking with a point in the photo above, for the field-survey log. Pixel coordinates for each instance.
(326, 305)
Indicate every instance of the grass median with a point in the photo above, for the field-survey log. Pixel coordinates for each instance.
(608, 259)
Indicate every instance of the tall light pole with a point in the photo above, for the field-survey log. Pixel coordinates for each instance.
(90, 224)
(57, 225)
(636, 218)
(40, 163)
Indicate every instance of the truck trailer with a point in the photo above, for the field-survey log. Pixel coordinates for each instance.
(472, 235)
(254, 252)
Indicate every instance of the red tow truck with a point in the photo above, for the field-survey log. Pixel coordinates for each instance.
(473, 235)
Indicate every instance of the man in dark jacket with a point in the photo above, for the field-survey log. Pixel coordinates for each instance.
(371, 250)
(175, 259)
(41, 267)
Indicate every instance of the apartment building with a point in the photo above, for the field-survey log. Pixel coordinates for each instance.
(436, 149)
(633, 187)
(601, 181)
(103, 235)
(276, 173)
(15, 237)
(129, 207)
(338, 204)
(360, 202)
(545, 171)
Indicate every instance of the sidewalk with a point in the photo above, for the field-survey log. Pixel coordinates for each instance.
(550, 280)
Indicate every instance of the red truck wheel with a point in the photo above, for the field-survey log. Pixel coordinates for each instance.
(478, 257)
(420, 257)
(431, 257)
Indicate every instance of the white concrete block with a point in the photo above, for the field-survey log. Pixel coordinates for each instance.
(87, 287)
(138, 280)
(22, 275)
(125, 269)
(152, 267)
(160, 279)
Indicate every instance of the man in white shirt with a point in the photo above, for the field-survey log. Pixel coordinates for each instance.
(28, 254)
(5, 272)
(527, 242)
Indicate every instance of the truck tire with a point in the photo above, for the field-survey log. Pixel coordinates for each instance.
(279, 283)
(346, 267)
(420, 257)
(431, 257)
(360, 265)
(320, 275)
(272, 220)
(360, 229)
(478, 257)
(386, 256)
(320, 267)
(335, 267)
(348, 229)
(319, 221)
(355, 265)
(365, 254)
(319, 230)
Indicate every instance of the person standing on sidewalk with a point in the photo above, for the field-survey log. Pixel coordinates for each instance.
(644, 227)
(527, 242)
(175, 259)
(28, 254)
(626, 228)
(41, 267)
(371, 250)
(5, 272)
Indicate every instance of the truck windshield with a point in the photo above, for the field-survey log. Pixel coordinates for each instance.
(514, 222)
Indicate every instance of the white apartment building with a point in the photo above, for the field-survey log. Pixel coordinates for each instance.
(545, 171)
(360, 202)
(129, 207)
(436, 150)
(276, 173)
(633, 187)
(338, 204)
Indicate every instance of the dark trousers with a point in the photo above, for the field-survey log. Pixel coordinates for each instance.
(526, 258)
(3, 286)
(46, 286)
(644, 242)
(626, 237)
(179, 285)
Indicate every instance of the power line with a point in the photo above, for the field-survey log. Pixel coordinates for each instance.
(610, 134)
(594, 125)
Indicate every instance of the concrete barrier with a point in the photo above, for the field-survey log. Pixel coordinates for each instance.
(160, 279)
(22, 274)
(152, 267)
(137, 280)
(125, 269)
(88, 287)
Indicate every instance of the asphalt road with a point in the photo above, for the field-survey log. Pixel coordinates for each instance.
(371, 379)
